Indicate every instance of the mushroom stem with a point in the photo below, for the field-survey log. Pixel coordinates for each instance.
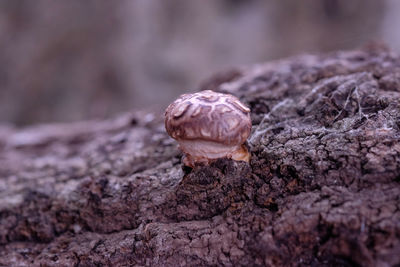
(203, 152)
(241, 154)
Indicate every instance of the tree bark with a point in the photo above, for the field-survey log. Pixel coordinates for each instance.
(322, 187)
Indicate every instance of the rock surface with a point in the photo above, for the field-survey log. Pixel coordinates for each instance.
(322, 187)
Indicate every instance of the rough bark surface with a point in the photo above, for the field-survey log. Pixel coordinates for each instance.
(322, 187)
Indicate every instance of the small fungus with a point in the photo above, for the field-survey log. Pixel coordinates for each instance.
(208, 126)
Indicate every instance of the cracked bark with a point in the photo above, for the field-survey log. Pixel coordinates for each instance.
(322, 187)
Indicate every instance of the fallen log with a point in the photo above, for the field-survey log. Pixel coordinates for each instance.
(322, 186)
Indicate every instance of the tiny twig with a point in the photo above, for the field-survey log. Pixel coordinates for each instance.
(257, 131)
(345, 104)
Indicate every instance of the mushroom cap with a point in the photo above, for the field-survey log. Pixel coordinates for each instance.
(208, 116)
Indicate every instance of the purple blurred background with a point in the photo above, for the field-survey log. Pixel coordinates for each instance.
(74, 60)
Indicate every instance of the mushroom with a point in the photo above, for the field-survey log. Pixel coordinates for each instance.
(208, 126)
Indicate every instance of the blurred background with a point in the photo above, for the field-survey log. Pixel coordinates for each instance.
(74, 60)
